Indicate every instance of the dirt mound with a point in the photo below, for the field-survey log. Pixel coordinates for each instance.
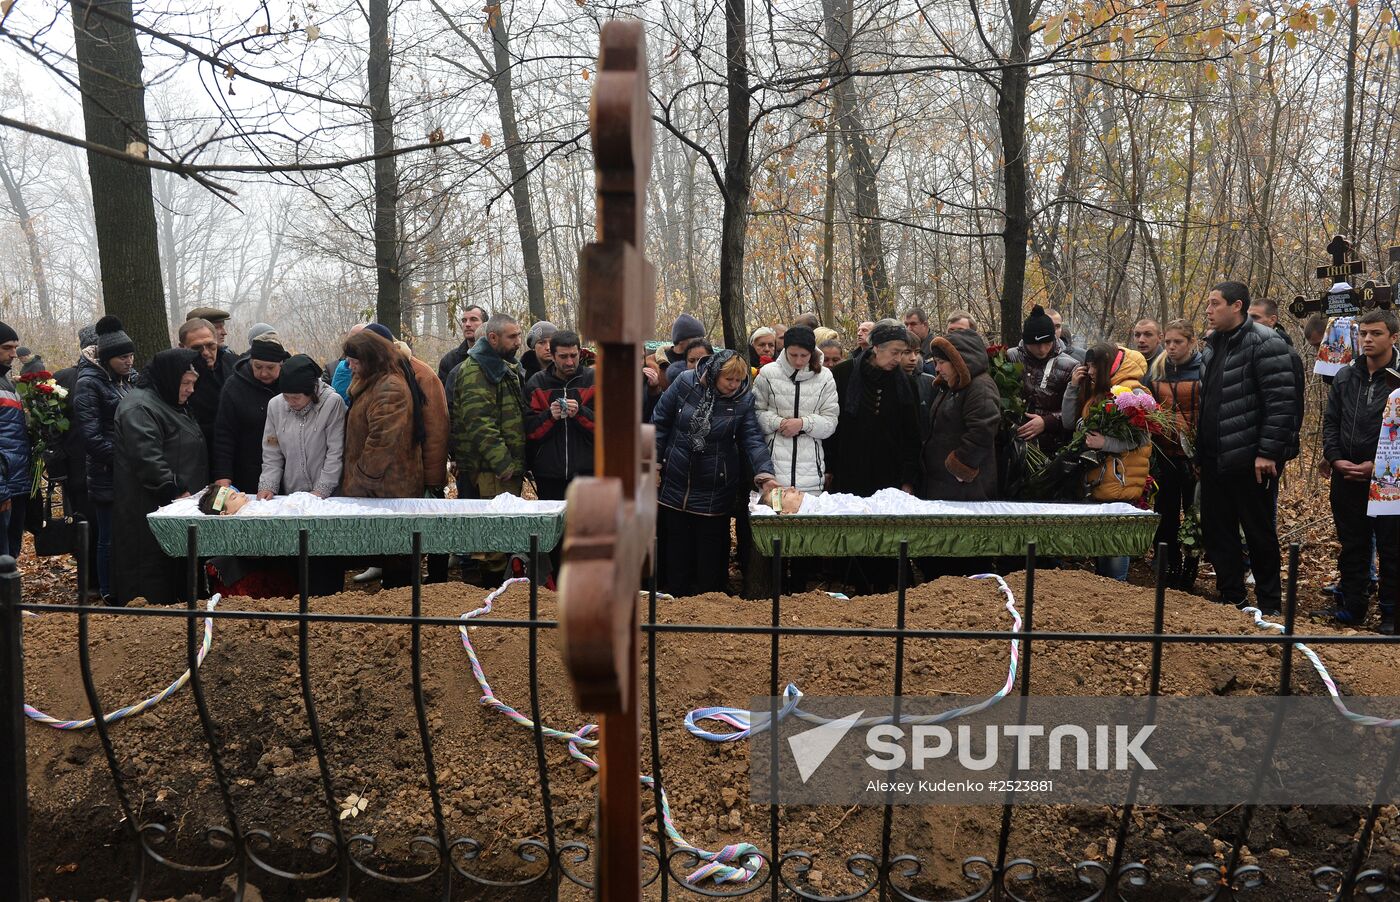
(486, 765)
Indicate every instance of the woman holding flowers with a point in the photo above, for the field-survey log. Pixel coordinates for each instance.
(1111, 411)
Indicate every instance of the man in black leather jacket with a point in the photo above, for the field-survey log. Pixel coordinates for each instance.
(1248, 428)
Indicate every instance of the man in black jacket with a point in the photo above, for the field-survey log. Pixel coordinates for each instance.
(198, 335)
(75, 487)
(1264, 311)
(1248, 425)
(559, 422)
(236, 458)
(1350, 430)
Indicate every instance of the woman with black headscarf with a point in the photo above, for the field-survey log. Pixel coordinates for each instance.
(160, 456)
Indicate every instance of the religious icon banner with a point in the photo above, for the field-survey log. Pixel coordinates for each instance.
(1339, 346)
(1385, 478)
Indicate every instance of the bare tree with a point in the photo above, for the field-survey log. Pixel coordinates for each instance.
(114, 116)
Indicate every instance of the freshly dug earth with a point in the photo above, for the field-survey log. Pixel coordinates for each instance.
(486, 765)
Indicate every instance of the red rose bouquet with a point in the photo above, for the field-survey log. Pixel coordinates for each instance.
(46, 415)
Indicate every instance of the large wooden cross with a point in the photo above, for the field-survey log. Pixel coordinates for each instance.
(611, 521)
(1350, 302)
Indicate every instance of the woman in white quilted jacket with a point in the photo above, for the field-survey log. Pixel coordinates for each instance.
(795, 398)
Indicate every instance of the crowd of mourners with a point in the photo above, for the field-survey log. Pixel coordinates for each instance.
(904, 405)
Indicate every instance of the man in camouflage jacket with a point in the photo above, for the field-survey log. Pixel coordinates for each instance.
(489, 412)
(488, 423)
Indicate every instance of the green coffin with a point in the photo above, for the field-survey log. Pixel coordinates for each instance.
(447, 526)
(959, 535)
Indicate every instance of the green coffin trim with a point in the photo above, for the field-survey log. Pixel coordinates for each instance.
(956, 536)
(353, 536)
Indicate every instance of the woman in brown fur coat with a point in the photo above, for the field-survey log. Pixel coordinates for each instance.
(382, 458)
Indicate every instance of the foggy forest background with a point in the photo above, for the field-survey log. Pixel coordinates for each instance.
(316, 164)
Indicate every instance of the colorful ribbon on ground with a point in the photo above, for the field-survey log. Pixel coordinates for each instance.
(1365, 720)
(747, 723)
(145, 705)
(737, 863)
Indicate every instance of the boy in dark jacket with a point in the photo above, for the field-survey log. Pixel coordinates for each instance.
(1350, 430)
(1044, 379)
(1248, 426)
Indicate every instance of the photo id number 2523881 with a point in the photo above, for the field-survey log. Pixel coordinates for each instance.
(1021, 785)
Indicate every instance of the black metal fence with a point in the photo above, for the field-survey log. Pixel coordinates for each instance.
(445, 866)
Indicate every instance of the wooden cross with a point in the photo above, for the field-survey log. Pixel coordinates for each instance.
(1343, 303)
(1370, 295)
(1340, 248)
(610, 526)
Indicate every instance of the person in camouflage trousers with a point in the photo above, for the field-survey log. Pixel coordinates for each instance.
(488, 427)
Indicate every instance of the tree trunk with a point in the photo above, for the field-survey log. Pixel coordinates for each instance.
(735, 223)
(169, 247)
(388, 303)
(829, 228)
(1349, 125)
(114, 115)
(515, 158)
(31, 238)
(873, 275)
(1011, 121)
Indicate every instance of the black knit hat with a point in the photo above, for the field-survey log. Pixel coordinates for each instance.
(1039, 327)
(800, 337)
(111, 340)
(299, 375)
(8, 333)
(268, 351)
(888, 332)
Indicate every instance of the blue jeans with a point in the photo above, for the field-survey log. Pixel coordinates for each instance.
(104, 548)
(1113, 567)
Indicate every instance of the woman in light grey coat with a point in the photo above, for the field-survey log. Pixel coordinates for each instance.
(304, 438)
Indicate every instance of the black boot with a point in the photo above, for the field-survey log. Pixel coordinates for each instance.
(1189, 568)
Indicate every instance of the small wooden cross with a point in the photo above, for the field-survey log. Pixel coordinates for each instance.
(610, 526)
(1340, 248)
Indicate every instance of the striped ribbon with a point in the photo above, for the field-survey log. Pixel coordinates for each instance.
(141, 706)
(748, 723)
(1365, 720)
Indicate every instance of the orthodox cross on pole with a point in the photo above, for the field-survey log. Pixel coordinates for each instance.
(1341, 299)
(610, 526)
